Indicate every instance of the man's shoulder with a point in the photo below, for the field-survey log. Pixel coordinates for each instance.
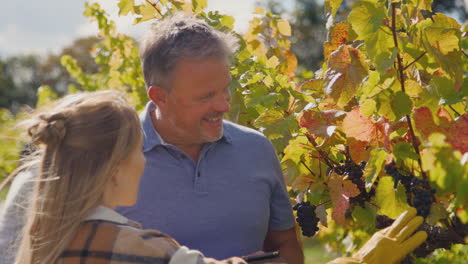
(238, 132)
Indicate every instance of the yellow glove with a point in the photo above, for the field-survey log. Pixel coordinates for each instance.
(391, 244)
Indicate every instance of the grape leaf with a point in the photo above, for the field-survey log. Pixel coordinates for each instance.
(346, 70)
(401, 104)
(302, 182)
(391, 203)
(458, 133)
(455, 131)
(364, 216)
(295, 149)
(340, 192)
(357, 126)
(331, 6)
(337, 36)
(322, 214)
(259, 10)
(321, 123)
(424, 121)
(284, 28)
(367, 20)
(374, 166)
(358, 150)
(125, 7)
(404, 150)
(368, 107)
(199, 5)
(440, 36)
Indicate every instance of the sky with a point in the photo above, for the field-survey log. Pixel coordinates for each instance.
(46, 26)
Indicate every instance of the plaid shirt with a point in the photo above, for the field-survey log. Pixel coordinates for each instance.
(106, 237)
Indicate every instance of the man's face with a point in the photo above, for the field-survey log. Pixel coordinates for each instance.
(198, 99)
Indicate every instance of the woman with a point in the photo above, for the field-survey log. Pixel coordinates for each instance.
(90, 162)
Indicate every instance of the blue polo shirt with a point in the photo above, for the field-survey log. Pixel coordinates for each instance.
(223, 204)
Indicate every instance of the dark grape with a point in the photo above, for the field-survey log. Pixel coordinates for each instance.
(419, 191)
(306, 218)
(354, 172)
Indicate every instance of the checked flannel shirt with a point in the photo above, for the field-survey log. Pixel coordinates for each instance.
(107, 237)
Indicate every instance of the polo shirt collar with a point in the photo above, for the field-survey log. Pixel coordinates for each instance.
(106, 214)
(151, 137)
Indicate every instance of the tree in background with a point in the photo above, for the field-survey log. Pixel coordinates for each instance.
(19, 80)
(22, 75)
(54, 75)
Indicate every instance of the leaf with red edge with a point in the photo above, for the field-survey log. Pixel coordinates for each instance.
(358, 150)
(424, 121)
(340, 192)
(346, 71)
(455, 131)
(444, 117)
(457, 134)
(359, 127)
(302, 182)
(321, 123)
(337, 36)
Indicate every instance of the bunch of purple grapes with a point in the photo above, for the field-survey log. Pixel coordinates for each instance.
(419, 192)
(354, 172)
(307, 218)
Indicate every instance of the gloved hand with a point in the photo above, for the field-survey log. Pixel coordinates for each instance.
(391, 244)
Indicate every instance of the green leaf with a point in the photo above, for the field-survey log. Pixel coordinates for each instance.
(391, 202)
(440, 36)
(443, 87)
(228, 21)
(437, 213)
(364, 216)
(374, 166)
(295, 150)
(272, 62)
(45, 95)
(401, 104)
(146, 12)
(199, 5)
(367, 20)
(331, 6)
(125, 7)
(404, 150)
(368, 107)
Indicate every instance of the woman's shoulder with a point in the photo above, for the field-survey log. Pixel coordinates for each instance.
(102, 240)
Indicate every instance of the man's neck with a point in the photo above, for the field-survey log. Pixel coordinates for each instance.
(193, 150)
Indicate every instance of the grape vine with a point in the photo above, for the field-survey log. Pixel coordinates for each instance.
(382, 126)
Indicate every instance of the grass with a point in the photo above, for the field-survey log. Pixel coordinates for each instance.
(315, 253)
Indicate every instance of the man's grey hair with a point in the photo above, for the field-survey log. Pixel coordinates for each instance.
(178, 37)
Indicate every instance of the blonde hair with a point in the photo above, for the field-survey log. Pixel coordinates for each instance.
(83, 138)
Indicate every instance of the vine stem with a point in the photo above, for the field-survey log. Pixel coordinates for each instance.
(401, 78)
(458, 114)
(307, 167)
(321, 152)
(415, 60)
(155, 6)
(323, 203)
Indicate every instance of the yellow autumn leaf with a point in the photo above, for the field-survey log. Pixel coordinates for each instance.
(259, 10)
(284, 28)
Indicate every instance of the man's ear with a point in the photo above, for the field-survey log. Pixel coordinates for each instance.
(157, 95)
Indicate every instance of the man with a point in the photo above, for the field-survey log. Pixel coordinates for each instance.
(213, 185)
